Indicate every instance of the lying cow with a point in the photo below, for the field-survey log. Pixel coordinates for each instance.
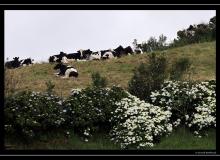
(129, 50)
(66, 71)
(15, 63)
(95, 56)
(57, 58)
(26, 62)
(108, 55)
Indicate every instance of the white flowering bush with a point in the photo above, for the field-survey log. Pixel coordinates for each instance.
(139, 124)
(29, 113)
(89, 110)
(192, 104)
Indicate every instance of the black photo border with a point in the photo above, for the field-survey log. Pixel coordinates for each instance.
(4, 7)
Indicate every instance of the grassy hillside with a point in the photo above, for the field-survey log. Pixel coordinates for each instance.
(117, 71)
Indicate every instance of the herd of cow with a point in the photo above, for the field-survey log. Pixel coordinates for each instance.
(81, 55)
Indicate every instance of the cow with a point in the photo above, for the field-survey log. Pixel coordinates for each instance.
(129, 50)
(86, 54)
(66, 71)
(119, 51)
(15, 63)
(80, 55)
(108, 55)
(74, 56)
(26, 62)
(138, 51)
(95, 56)
(57, 58)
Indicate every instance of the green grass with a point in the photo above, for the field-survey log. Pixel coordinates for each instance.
(117, 71)
(181, 139)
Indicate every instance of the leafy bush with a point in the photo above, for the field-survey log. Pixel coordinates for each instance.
(98, 81)
(30, 113)
(148, 77)
(89, 110)
(138, 124)
(179, 68)
(193, 105)
(50, 87)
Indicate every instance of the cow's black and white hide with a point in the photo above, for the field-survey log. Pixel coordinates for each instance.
(129, 50)
(27, 62)
(57, 58)
(66, 71)
(74, 56)
(108, 55)
(138, 50)
(15, 63)
(119, 51)
(86, 54)
(95, 56)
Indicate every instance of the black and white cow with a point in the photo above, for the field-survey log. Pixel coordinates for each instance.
(108, 54)
(138, 50)
(119, 51)
(129, 50)
(74, 56)
(57, 58)
(15, 63)
(86, 54)
(66, 71)
(95, 56)
(26, 62)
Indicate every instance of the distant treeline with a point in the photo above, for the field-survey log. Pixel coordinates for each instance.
(193, 34)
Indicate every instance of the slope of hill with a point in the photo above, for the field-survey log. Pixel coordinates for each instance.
(117, 71)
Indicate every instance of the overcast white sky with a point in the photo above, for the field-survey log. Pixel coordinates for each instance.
(41, 33)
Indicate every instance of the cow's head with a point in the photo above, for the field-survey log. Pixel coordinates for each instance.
(16, 59)
(51, 59)
(86, 53)
(62, 54)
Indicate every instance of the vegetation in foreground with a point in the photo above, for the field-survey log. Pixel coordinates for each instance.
(179, 139)
(127, 120)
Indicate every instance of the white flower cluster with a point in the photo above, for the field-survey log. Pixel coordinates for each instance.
(86, 134)
(75, 91)
(37, 110)
(195, 103)
(138, 123)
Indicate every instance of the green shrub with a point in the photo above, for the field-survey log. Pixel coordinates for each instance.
(89, 110)
(29, 113)
(50, 87)
(192, 104)
(98, 81)
(179, 68)
(148, 77)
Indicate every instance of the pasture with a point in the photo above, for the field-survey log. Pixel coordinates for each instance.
(117, 71)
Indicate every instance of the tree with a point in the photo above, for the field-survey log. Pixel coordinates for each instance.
(212, 25)
(162, 41)
(148, 77)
